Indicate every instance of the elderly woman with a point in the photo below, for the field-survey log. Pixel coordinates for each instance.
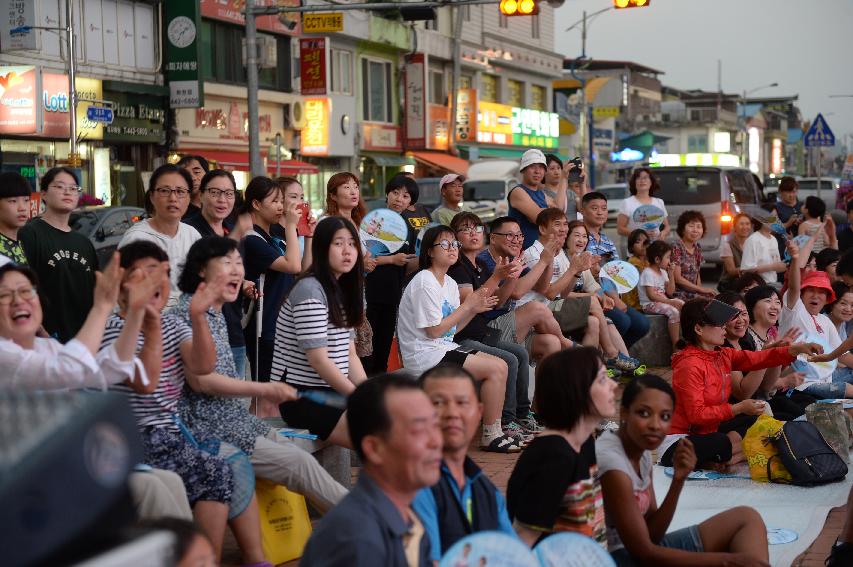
(687, 257)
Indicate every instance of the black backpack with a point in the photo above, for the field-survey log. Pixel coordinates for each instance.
(806, 455)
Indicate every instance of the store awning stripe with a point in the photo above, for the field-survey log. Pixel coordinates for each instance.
(441, 160)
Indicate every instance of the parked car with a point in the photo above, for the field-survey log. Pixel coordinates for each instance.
(715, 191)
(487, 184)
(105, 226)
(429, 192)
(615, 193)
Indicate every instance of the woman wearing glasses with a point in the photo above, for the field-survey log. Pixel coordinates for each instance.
(430, 314)
(166, 201)
(64, 260)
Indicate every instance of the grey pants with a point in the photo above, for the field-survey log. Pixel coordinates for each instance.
(516, 400)
(279, 460)
(159, 494)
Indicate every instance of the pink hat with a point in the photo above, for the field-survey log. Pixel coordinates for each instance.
(449, 178)
(819, 280)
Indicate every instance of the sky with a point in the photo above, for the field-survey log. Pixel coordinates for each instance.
(804, 45)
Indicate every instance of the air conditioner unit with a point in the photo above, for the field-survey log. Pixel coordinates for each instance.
(267, 52)
(294, 115)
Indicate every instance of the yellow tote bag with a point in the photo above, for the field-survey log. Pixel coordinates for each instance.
(758, 448)
(285, 525)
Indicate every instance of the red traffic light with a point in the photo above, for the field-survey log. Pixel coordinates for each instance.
(519, 7)
(620, 4)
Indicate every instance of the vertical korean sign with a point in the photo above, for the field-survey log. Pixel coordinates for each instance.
(315, 133)
(312, 65)
(182, 54)
(15, 14)
(466, 115)
(415, 100)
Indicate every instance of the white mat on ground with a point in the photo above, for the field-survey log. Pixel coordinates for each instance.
(800, 509)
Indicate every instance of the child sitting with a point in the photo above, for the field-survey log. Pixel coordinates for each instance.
(638, 241)
(657, 284)
(814, 211)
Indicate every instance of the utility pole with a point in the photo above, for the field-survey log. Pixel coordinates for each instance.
(256, 166)
(73, 155)
(457, 72)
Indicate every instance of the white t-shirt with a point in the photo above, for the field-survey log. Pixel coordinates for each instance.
(175, 246)
(530, 257)
(758, 250)
(816, 329)
(651, 278)
(425, 303)
(631, 204)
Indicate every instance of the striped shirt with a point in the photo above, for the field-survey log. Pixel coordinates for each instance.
(303, 323)
(159, 408)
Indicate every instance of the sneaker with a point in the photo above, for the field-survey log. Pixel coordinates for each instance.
(619, 363)
(529, 424)
(841, 554)
(502, 444)
(632, 362)
(514, 430)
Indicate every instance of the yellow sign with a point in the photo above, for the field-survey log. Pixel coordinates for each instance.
(315, 133)
(494, 123)
(606, 111)
(323, 23)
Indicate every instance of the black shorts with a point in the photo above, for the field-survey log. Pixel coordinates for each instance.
(457, 356)
(714, 448)
(304, 414)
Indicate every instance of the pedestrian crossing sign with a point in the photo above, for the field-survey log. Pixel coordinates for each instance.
(819, 134)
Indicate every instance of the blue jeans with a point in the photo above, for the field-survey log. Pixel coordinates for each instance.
(239, 354)
(842, 375)
(823, 391)
(631, 324)
(516, 402)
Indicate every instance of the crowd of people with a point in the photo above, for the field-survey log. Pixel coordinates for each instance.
(217, 286)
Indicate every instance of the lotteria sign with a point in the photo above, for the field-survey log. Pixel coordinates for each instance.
(502, 124)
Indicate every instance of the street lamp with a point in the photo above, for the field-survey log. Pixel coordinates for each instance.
(746, 93)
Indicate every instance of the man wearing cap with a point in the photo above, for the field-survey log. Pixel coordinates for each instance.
(761, 250)
(451, 199)
(801, 308)
(528, 199)
(14, 211)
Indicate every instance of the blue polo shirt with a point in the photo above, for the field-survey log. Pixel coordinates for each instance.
(602, 246)
(426, 506)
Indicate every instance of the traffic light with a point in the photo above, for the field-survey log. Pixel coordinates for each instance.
(620, 4)
(519, 7)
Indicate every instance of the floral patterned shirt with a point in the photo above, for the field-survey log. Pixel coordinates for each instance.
(689, 264)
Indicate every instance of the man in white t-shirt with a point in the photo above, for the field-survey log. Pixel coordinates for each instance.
(761, 252)
(802, 306)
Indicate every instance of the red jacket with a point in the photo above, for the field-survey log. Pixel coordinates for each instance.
(702, 382)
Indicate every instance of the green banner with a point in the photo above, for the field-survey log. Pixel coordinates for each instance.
(138, 118)
(183, 31)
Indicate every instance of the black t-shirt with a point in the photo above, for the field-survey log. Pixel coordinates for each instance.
(464, 273)
(65, 263)
(192, 210)
(417, 219)
(553, 488)
(258, 255)
(845, 239)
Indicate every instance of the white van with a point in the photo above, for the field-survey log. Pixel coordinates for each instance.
(486, 187)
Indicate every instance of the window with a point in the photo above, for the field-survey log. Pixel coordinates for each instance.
(465, 81)
(488, 88)
(222, 57)
(437, 92)
(376, 90)
(503, 21)
(466, 13)
(697, 143)
(516, 93)
(534, 29)
(537, 97)
(341, 71)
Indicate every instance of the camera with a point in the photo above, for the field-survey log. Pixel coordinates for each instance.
(576, 173)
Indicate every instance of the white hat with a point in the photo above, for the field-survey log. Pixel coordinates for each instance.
(532, 156)
(449, 178)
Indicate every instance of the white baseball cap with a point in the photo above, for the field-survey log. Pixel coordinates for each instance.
(532, 156)
(449, 178)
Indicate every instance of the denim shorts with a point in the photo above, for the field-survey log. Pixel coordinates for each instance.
(826, 390)
(685, 539)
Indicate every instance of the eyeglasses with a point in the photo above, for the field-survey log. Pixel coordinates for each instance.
(168, 191)
(511, 236)
(66, 188)
(447, 244)
(471, 229)
(25, 293)
(217, 193)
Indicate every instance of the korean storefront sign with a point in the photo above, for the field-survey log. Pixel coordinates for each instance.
(224, 120)
(466, 115)
(20, 108)
(138, 118)
(415, 101)
(313, 65)
(231, 11)
(314, 139)
(182, 25)
(502, 124)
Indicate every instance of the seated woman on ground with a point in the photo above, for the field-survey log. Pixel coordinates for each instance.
(840, 312)
(657, 286)
(638, 241)
(702, 383)
(636, 526)
(429, 316)
(687, 257)
(731, 251)
(554, 486)
(768, 384)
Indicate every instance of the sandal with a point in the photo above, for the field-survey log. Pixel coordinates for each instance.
(619, 364)
(635, 361)
(502, 444)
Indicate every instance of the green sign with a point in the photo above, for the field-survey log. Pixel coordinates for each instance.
(183, 30)
(138, 118)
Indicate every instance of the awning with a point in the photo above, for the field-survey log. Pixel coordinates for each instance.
(240, 160)
(644, 139)
(389, 160)
(441, 160)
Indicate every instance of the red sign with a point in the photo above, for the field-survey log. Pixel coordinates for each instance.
(312, 65)
(35, 204)
(19, 95)
(231, 11)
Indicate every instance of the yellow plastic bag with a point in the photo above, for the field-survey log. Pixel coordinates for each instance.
(758, 448)
(285, 525)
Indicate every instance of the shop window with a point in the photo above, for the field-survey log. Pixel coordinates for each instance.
(437, 92)
(516, 93)
(537, 97)
(376, 90)
(488, 88)
(341, 71)
(222, 57)
(697, 143)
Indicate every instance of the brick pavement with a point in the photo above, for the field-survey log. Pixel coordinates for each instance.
(499, 468)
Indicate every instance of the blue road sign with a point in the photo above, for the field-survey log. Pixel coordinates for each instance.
(100, 114)
(819, 135)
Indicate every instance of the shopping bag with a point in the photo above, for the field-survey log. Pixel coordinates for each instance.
(759, 448)
(285, 525)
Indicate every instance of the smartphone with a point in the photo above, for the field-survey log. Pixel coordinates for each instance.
(302, 228)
